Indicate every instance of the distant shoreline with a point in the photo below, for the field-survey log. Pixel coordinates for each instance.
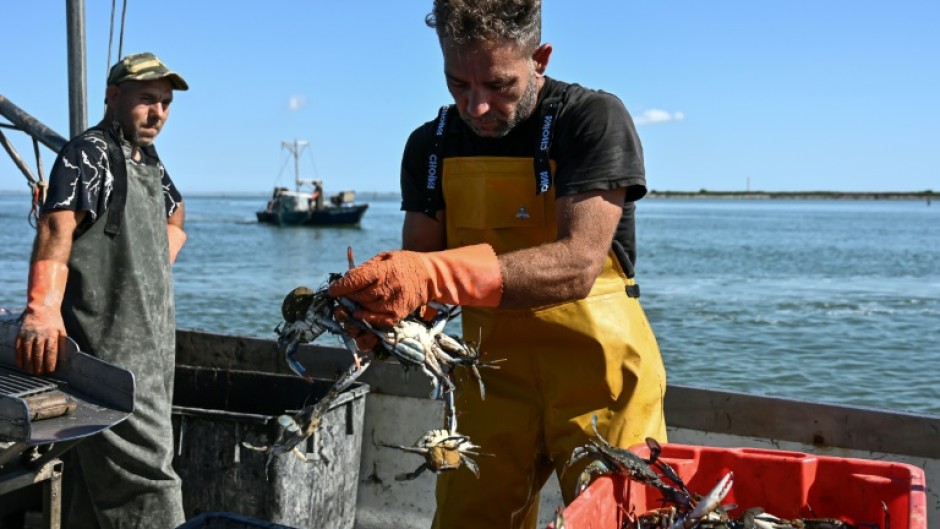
(798, 195)
(743, 195)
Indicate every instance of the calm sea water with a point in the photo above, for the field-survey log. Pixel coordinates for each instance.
(833, 301)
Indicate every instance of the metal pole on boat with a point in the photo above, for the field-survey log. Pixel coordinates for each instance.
(75, 25)
(295, 149)
(32, 126)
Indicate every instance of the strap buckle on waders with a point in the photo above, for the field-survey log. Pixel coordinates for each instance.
(633, 291)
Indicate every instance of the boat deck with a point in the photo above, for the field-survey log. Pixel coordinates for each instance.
(398, 411)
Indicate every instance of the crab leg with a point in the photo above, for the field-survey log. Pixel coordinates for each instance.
(450, 411)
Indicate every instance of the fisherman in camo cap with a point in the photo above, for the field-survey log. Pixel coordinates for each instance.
(109, 232)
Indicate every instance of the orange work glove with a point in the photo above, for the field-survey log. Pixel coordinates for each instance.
(365, 340)
(42, 333)
(176, 237)
(392, 285)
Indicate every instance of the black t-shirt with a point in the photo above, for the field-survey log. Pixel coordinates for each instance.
(81, 178)
(595, 147)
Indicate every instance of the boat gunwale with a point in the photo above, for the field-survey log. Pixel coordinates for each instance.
(819, 424)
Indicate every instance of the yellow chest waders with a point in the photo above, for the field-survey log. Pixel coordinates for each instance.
(563, 363)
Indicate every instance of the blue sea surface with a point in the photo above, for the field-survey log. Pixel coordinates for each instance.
(832, 301)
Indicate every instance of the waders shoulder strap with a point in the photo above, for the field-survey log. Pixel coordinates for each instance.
(435, 161)
(550, 109)
(118, 167)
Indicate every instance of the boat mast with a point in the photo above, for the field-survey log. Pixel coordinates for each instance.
(296, 147)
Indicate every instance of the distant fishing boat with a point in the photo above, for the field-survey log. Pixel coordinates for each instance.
(306, 205)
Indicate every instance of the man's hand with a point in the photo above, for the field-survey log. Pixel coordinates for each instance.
(42, 332)
(392, 285)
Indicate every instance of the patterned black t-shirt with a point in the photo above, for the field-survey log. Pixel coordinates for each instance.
(81, 178)
(594, 145)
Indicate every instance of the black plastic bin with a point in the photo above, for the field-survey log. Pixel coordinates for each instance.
(215, 410)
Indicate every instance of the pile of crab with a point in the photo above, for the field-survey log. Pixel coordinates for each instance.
(414, 343)
(681, 508)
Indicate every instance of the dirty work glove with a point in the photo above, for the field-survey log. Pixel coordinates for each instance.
(365, 340)
(392, 285)
(177, 238)
(42, 332)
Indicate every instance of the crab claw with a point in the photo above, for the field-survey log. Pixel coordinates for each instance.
(559, 520)
(595, 468)
(289, 350)
(577, 454)
(655, 449)
(708, 504)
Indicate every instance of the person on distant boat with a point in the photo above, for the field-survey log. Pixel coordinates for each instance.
(519, 204)
(317, 196)
(101, 274)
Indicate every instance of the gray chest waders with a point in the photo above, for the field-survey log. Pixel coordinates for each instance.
(119, 307)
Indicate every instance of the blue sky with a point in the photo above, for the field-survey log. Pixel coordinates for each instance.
(778, 96)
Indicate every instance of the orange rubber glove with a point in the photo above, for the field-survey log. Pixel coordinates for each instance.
(392, 285)
(42, 333)
(177, 238)
(365, 340)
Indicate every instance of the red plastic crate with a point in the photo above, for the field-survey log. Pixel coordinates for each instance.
(785, 484)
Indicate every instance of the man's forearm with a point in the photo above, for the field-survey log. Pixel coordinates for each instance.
(178, 217)
(565, 269)
(54, 235)
(174, 231)
(546, 274)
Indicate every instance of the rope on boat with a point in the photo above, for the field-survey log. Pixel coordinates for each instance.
(37, 186)
(23, 122)
(107, 62)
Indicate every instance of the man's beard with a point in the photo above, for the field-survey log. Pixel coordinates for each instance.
(133, 135)
(523, 110)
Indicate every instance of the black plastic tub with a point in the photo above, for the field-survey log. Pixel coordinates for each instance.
(216, 410)
(228, 520)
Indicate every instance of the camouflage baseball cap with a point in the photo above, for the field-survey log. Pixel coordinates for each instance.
(144, 67)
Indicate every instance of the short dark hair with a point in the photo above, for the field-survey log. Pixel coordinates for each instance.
(471, 21)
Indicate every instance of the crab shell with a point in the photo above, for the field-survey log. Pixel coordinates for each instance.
(296, 303)
(443, 449)
(443, 457)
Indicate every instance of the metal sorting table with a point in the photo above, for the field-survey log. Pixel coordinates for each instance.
(42, 417)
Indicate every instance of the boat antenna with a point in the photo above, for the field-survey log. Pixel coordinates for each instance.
(121, 40)
(107, 63)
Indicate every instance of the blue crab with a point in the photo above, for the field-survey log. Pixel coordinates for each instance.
(413, 342)
(307, 315)
(304, 423)
(609, 459)
(443, 450)
(424, 345)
